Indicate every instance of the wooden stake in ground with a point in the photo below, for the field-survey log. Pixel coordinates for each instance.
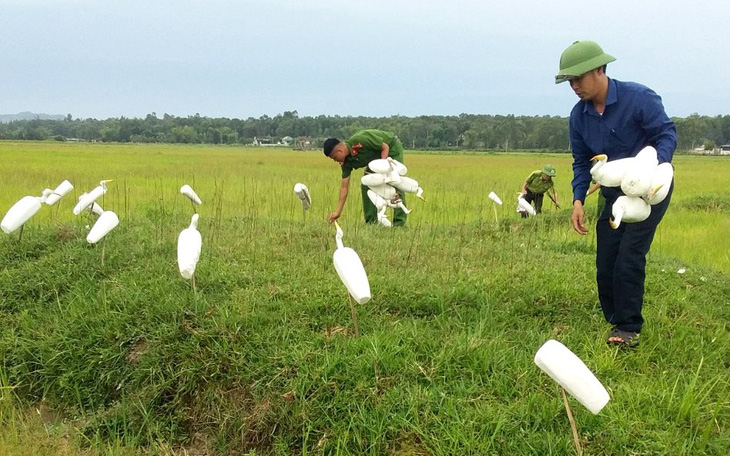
(103, 251)
(576, 439)
(353, 314)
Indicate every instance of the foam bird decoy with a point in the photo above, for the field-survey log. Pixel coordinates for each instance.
(189, 244)
(638, 178)
(350, 269)
(59, 192)
(409, 185)
(660, 184)
(523, 206)
(93, 208)
(609, 173)
(190, 193)
(89, 198)
(22, 211)
(563, 366)
(381, 205)
(493, 196)
(107, 221)
(629, 209)
(302, 192)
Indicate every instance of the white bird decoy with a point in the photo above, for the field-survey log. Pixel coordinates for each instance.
(523, 206)
(93, 208)
(638, 177)
(629, 209)
(385, 191)
(350, 269)
(380, 165)
(381, 206)
(60, 191)
(189, 244)
(409, 185)
(22, 211)
(386, 167)
(609, 173)
(373, 179)
(660, 183)
(90, 197)
(397, 166)
(563, 366)
(302, 192)
(107, 221)
(190, 193)
(493, 196)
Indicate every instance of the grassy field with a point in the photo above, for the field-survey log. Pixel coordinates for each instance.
(124, 358)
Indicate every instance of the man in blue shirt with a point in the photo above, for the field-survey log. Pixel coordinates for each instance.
(617, 119)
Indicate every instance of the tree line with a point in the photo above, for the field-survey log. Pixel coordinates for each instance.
(465, 131)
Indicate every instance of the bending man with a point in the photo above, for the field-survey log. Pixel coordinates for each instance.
(357, 152)
(617, 119)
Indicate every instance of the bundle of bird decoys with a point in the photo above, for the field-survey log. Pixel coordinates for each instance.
(642, 179)
(384, 177)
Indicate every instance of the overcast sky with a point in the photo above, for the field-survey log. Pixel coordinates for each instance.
(242, 58)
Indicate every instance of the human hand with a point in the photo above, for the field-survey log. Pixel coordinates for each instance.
(578, 218)
(334, 216)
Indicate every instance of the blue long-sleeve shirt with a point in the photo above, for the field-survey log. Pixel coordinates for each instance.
(634, 118)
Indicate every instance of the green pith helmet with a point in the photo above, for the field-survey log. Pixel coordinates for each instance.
(549, 170)
(580, 58)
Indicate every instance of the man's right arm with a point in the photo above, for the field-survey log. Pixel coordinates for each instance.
(581, 178)
(344, 190)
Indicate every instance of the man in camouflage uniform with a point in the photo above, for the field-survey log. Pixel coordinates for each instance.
(355, 153)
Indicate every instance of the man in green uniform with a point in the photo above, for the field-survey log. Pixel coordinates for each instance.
(355, 153)
(537, 184)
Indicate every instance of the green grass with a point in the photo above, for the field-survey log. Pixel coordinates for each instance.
(262, 360)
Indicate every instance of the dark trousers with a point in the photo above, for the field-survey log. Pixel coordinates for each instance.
(369, 209)
(621, 262)
(537, 198)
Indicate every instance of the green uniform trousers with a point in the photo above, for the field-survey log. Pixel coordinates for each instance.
(369, 209)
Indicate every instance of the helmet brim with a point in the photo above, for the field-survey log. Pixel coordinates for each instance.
(583, 67)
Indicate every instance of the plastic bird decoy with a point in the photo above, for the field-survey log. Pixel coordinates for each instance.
(660, 184)
(302, 192)
(381, 205)
(59, 192)
(91, 197)
(93, 208)
(408, 185)
(629, 209)
(609, 173)
(350, 269)
(563, 366)
(189, 244)
(523, 206)
(638, 178)
(190, 193)
(107, 221)
(22, 211)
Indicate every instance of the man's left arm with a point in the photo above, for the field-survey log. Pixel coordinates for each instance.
(659, 128)
(384, 150)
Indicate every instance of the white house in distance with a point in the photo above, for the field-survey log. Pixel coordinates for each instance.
(269, 141)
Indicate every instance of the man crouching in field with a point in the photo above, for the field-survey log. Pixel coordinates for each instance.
(357, 152)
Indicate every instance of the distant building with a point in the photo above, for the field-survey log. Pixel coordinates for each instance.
(303, 143)
(725, 149)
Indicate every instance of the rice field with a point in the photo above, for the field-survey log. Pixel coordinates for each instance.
(258, 182)
(125, 358)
